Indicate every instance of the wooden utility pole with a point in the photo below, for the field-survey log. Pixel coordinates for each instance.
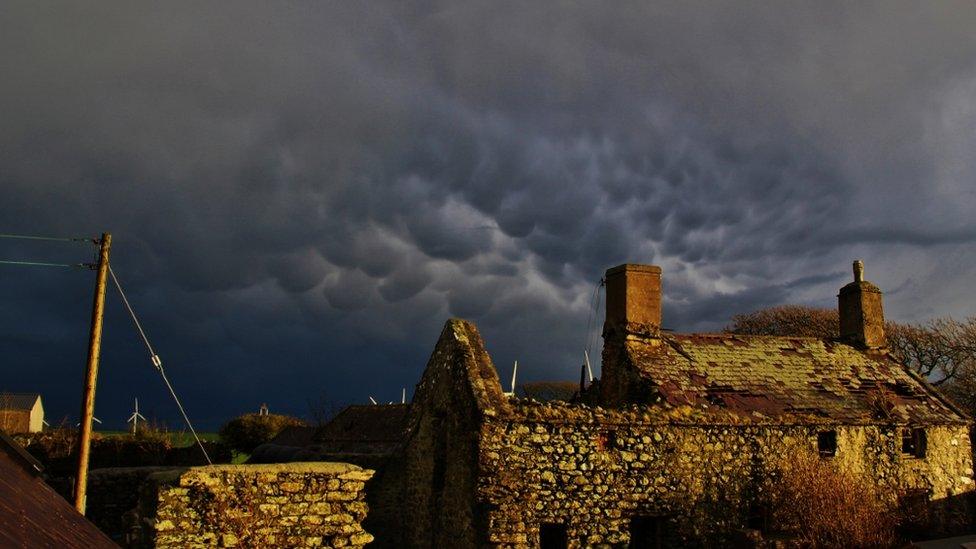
(91, 374)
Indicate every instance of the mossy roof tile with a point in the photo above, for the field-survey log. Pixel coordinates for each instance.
(787, 375)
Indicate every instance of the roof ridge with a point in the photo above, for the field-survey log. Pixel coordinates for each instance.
(733, 335)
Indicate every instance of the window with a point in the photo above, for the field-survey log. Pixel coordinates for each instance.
(645, 533)
(553, 536)
(827, 443)
(757, 518)
(913, 442)
(606, 440)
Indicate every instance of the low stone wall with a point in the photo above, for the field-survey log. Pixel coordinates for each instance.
(113, 492)
(276, 505)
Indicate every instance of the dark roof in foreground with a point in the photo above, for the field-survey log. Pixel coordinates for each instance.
(786, 375)
(32, 514)
(18, 401)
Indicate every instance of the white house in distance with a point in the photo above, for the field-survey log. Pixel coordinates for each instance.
(21, 413)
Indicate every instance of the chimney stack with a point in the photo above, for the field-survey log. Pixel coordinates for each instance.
(633, 310)
(861, 313)
(634, 298)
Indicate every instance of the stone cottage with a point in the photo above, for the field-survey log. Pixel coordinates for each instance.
(668, 448)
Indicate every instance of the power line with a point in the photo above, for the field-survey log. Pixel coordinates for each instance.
(158, 363)
(42, 264)
(48, 238)
(592, 316)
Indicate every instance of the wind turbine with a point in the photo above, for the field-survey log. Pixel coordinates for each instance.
(514, 373)
(94, 419)
(135, 417)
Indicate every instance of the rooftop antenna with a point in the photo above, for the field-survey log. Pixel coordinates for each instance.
(403, 396)
(589, 370)
(134, 419)
(373, 400)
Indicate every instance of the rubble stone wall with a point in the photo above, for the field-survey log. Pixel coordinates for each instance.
(112, 492)
(276, 505)
(426, 496)
(593, 470)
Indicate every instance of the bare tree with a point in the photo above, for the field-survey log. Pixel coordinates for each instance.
(787, 320)
(940, 350)
(960, 337)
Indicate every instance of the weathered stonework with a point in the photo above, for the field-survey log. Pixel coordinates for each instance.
(682, 443)
(593, 470)
(282, 505)
(481, 469)
(112, 493)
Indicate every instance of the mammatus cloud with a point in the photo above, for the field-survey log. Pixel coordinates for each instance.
(301, 195)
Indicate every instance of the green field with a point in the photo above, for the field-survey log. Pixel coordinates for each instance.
(179, 439)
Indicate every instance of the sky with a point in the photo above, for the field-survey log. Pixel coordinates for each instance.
(301, 194)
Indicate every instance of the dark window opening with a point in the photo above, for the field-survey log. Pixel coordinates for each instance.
(913, 442)
(757, 517)
(646, 533)
(607, 440)
(827, 443)
(439, 456)
(553, 536)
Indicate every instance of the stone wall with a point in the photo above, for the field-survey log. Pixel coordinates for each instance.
(480, 469)
(426, 497)
(280, 505)
(593, 470)
(113, 492)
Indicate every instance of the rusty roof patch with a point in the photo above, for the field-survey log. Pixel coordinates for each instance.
(785, 375)
(32, 514)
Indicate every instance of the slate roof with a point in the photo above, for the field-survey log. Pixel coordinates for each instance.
(295, 435)
(364, 429)
(18, 401)
(773, 376)
(32, 514)
(547, 391)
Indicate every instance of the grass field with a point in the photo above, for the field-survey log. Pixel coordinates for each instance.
(179, 439)
(184, 439)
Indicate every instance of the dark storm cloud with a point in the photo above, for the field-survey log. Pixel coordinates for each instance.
(301, 194)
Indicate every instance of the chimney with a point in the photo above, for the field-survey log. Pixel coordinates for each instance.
(634, 298)
(633, 310)
(860, 311)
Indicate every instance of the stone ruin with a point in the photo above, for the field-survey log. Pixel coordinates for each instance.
(669, 448)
